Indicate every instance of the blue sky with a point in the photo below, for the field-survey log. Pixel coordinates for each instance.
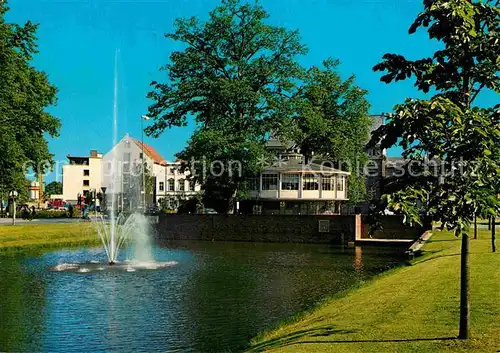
(78, 40)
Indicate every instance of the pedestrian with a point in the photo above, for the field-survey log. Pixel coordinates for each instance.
(70, 210)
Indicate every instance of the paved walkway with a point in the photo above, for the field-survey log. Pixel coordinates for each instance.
(8, 221)
(374, 241)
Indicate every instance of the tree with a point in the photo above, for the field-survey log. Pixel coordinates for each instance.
(25, 93)
(332, 121)
(54, 188)
(235, 78)
(447, 126)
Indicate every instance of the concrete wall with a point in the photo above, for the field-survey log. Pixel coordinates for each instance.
(95, 171)
(73, 178)
(257, 228)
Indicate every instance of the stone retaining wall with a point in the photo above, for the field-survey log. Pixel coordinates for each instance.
(393, 228)
(259, 228)
(279, 228)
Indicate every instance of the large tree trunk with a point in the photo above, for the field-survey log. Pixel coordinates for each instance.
(464, 288)
(493, 235)
(231, 202)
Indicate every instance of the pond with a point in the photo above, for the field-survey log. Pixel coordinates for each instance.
(215, 298)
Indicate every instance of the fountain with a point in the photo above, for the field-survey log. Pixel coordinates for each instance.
(131, 227)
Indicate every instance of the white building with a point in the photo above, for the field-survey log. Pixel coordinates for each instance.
(34, 191)
(81, 175)
(289, 186)
(169, 182)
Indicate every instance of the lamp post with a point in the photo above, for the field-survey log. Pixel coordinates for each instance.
(95, 202)
(104, 206)
(13, 194)
(143, 117)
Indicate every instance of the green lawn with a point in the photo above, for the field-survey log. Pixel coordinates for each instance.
(38, 236)
(409, 309)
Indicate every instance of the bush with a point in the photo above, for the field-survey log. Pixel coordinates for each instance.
(50, 214)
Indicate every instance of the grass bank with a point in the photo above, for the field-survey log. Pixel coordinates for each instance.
(408, 309)
(29, 237)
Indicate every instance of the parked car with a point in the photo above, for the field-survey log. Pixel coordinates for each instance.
(208, 211)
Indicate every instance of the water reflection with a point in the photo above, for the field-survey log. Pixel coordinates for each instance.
(216, 297)
(358, 258)
(22, 304)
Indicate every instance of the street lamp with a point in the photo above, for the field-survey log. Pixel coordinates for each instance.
(95, 202)
(13, 194)
(104, 205)
(143, 117)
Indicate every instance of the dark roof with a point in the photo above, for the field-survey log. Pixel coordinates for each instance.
(378, 121)
(276, 143)
(296, 165)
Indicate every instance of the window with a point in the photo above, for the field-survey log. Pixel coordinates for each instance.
(269, 181)
(328, 183)
(162, 186)
(86, 183)
(192, 185)
(140, 155)
(126, 162)
(172, 170)
(127, 144)
(86, 172)
(171, 185)
(290, 181)
(181, 185)
(310, 182)
(340, 183)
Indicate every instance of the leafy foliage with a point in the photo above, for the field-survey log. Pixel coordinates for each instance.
(332, 121)
(25, 93)
(448, 127)
(235, 78)
(54, 188)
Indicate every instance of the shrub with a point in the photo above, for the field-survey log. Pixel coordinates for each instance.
(50, 214)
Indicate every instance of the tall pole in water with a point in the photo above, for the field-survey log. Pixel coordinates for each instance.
(112, 245)
(143, 198)
(143, 168)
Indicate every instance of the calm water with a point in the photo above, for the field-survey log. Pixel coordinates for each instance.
(217, 297)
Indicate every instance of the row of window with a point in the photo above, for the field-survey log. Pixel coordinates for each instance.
(292, 181)
(86, 173)
(181, 185)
